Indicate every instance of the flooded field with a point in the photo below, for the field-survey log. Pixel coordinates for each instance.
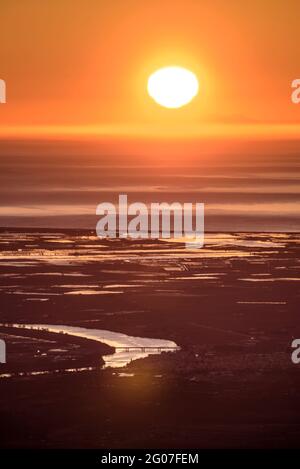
(80, 317)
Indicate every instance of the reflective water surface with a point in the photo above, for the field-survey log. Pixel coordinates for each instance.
(127, 348)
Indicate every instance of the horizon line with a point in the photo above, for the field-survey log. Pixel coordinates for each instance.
(155, 131)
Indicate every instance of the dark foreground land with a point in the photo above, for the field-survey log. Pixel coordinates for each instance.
(232, 307)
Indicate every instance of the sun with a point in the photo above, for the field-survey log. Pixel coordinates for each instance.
(173, 87)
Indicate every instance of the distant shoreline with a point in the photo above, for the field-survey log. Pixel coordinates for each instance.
(92, 232)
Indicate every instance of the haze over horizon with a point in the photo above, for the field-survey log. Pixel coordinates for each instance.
(246, 187)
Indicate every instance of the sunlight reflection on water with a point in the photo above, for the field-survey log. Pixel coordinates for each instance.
(127, 348)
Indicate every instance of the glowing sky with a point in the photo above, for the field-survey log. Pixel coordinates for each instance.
(73, 64)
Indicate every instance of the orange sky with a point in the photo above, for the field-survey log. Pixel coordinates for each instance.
(81, 66)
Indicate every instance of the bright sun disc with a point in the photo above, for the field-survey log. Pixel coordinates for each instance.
(173, 87)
